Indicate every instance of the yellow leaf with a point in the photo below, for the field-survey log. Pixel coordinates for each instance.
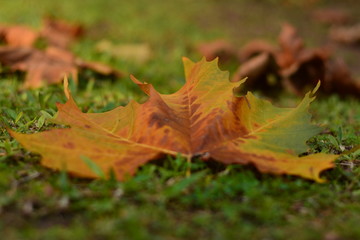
(204, 118)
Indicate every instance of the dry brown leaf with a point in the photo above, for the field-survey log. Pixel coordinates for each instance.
(99, 68)
(291, 45)
(60, 33)
(18, 36)
(50, 66)
(294, 67)
(306, 70)
(253, 68)
(332, 16)
(40, 66)
(346, 35)
(254, 48)
(339, 79)
(301, 68)
(258, 68)
(218, 48)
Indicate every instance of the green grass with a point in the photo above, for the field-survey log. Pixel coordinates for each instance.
(160, 202)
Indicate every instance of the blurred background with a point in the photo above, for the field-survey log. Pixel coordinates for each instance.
(159, 33)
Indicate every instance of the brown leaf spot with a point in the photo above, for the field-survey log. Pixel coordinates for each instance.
(164, 140)
(69, 145)
(290, 151)
(141, 139)
(157, 120)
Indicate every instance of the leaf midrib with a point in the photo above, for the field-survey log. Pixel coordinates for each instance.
(83, 116)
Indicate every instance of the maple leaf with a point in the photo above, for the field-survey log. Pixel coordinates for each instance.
(295, 67)
(56, 33)
(254, 48)
(40, 66)
(55, 61)
(49, 66)
(290, 66)
(60, 33)
(332, 16)
(218, 48)
(349, 35)
(18, 35)
(204, 118)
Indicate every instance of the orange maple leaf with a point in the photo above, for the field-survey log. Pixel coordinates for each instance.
(50, 65)
(18, 36)
(60, 33)
(204, 118)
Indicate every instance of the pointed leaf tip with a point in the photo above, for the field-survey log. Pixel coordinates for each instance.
(316, 87)
(134, 79)
(145, 87)
(66, 88)
(184, 59)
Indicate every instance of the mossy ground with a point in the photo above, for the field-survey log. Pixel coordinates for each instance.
(160, 202)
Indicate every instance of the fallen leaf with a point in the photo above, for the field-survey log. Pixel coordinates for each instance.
(40, 67)
(204, 118)
(139, 53)
(332, 16)
(18, 36)
(301, 68)
(255, 48)
(293, 67)
(218, 48)
(338, 77)
(291, 46)
(346, 35)
(60, 33)
(99, 68)
(56, 32)
(259, 69)
(253, 68)
(49, 66)
(305, 71)
(59, 53)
